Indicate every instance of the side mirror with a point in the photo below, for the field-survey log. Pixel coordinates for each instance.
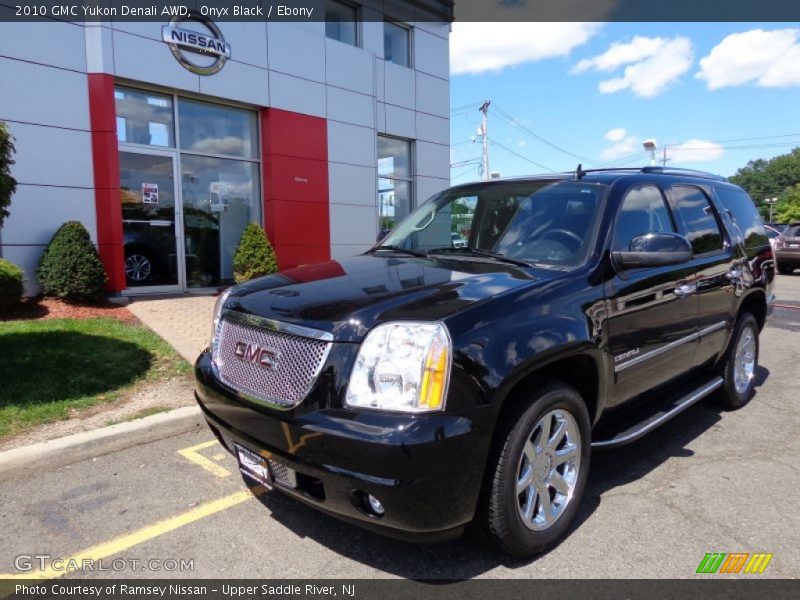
(654, 250)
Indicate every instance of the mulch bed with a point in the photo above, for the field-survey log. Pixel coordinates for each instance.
(53, 308)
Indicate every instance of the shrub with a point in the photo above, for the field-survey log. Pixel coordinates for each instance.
(10, 284)
(70, 267)
(8, 184)
(254, 257)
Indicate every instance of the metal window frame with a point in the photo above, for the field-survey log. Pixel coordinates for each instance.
(412, 167)
(410, 31)
(359, 33)
(175, 152)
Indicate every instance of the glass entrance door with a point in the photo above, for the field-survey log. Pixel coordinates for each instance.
(149, 221)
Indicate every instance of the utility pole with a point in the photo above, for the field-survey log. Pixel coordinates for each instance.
(485, 133)
(664, 158)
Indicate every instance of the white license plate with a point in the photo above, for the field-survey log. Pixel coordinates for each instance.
(794, 245)
(254, 466)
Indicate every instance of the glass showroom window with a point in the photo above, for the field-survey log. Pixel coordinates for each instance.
(219, 186)
(396, 44)
(394, 181)
(341, 22)
(144, 118)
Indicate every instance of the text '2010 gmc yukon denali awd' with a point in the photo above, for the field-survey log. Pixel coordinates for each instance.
(424, 385)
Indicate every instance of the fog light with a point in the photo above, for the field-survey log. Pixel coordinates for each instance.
(375, 505)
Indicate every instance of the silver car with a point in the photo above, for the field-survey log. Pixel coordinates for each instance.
(787, 249)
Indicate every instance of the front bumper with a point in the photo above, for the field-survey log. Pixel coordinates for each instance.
(788, 256)
(426, 470)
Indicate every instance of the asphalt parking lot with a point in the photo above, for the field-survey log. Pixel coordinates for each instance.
(708, 481)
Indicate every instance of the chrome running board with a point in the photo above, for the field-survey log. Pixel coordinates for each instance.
(659, 418)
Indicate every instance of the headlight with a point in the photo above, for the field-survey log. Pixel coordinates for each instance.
(217, 315)
(402, 366)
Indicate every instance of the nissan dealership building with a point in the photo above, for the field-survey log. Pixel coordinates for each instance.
(166, 137)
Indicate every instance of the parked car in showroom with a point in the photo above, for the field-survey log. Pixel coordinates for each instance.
(787, 249)
(419, 387)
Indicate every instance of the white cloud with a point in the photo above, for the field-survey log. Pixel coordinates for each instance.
(652, 64)
(482, 47)
(766, 58)
(522, 144)
(623, 147)
(615, 135)
(694, 151)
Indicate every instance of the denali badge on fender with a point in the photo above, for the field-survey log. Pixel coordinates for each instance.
(468, 366)
(253, 353)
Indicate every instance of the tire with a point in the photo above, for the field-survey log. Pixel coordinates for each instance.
(784, 269)
(518, 438)
(742, 356)
(139, 267)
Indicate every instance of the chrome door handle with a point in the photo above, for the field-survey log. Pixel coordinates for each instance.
(685, 290)
(734, 274)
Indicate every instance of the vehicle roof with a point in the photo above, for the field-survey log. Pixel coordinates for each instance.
(608, 176)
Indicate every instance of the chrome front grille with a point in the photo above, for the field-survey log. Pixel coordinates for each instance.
(269, 361)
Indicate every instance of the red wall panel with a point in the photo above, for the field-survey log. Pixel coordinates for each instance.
(105, 160)
(294, 162)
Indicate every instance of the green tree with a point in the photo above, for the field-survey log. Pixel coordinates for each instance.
(787, 209)
(771, 178)
(255, 256)
(8, 185)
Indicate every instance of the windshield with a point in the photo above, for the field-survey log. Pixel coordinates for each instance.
(544, 222)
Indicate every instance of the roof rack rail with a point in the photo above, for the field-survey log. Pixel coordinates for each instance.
(580, 172)
(676, 171)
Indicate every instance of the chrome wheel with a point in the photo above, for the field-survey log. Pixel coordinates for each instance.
(744, 361)
(138, 267)
(548, 470)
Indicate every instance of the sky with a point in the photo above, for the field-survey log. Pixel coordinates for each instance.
(593, 92)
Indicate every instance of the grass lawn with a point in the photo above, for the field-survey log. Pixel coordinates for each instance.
(49, 368)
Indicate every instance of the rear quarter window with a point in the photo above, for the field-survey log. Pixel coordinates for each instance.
(745, 215)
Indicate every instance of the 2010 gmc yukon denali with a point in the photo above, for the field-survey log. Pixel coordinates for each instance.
(422, 386)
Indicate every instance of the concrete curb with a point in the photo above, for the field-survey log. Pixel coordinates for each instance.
(71, 449)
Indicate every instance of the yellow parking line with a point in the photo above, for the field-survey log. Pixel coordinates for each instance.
(125, 542)
(193, 455)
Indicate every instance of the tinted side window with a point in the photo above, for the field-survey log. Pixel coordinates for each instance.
(745, 215)
(698, 218)
(792, 232)
(643, 211)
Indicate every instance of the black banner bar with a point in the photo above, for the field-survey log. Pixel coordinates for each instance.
(83, 11)
(710, 587)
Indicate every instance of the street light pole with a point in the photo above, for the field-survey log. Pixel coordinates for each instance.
(771, 202)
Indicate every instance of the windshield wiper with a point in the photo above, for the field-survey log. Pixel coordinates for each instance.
(402, 250)
(478, 252)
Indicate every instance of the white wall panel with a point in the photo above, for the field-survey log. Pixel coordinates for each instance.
(400, 86)
(431, 54)
(240, 82)
(49, 43)
(296, 51)
(347, 250)
(433, 129)
(351, 107)
(51, 156)
(353, 225)
(33, 100)
(352, 144)
(400, 122)
(433, 95)
(433, 160)
(349, 67)
(351, 184)
(295, 94)
(248, 40)
(37, 211)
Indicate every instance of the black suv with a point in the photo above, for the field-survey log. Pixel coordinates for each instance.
(422, 386)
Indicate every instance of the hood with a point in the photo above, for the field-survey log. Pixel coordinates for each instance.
(348, 297)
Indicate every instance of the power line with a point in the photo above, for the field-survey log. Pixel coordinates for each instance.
(465, 106)
(467, 172)
(518, 155)
(516, 124)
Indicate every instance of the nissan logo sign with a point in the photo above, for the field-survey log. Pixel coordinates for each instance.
(188, 45)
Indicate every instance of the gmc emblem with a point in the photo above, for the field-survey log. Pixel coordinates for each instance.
(251, 352)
